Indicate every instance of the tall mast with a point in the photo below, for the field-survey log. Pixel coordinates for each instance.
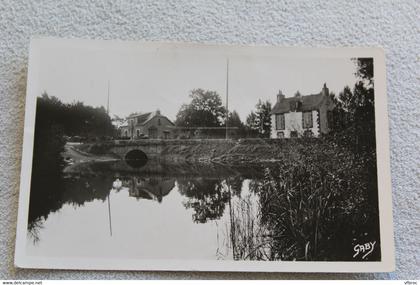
(227, 97)
(109, 214)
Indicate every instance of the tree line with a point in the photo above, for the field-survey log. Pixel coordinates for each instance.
(353, 118)
(206, 110)
(73, 119)
(53, 122)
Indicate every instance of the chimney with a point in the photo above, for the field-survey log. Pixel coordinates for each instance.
(325, 91)
(280, 96)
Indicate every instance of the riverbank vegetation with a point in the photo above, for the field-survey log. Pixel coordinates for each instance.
(54, 122)
(316, 206)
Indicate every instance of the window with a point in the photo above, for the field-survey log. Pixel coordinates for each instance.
(295, 106)
(159, 123)
(280, 135)
(153, 133)
(138, 133)
(293, 134)
(307, 120)
(330, 119)
(279, 121)
(298, 106)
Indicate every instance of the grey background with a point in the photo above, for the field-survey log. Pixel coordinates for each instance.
(393, 25)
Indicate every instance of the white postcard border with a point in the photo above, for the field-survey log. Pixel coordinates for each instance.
(387, 262)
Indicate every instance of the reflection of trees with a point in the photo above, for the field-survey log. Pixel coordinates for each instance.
(55, 119)
(50, 192)
(46, 182)
(80, 190)
(235, 184)
(34, 228)
(207, 197)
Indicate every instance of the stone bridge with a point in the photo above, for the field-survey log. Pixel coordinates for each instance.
(153, 148)
(126, 149)
(200, 149)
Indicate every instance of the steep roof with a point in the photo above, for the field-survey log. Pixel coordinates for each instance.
(123, 124)
(142, 118)
(145, 117)
(308, 103)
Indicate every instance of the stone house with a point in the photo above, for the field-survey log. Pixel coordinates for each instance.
(301, 115)
(151, 125)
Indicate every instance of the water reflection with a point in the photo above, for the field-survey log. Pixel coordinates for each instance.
(148, 188)
(210, 211)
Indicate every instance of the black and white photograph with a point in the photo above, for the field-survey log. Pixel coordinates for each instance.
(170, 156)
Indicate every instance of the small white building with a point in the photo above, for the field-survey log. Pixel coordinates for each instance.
(151, 125)
(301, 115)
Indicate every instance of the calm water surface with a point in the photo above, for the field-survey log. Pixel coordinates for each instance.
(267, 211)
(173, 212)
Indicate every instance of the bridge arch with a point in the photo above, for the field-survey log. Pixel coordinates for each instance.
(136, 158)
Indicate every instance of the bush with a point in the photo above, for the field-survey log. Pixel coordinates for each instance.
(99, 148)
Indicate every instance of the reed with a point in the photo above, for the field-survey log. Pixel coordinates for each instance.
(314, 205)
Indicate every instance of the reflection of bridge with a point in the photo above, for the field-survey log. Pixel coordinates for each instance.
(159, 169)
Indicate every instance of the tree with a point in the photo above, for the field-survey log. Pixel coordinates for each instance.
(234, 120)
(204, 110)
(354, 115)
(236, 126)
(75, 119)
(260, 120)
(251, 121)
(365, 70)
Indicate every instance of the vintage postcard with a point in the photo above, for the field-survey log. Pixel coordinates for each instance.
(173, 156)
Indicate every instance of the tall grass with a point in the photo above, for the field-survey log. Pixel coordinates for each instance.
(248, 237)
(314, 205)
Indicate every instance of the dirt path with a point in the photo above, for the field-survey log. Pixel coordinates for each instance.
(72, 156)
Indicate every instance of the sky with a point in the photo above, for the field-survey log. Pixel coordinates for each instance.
(142, 80)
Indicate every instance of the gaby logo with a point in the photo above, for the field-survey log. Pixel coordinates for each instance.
(364, 249)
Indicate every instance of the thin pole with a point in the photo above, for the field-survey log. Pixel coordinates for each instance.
(232, 224)
(109, 215)
(227, 97)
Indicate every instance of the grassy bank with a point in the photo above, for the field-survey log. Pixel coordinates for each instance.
(243, 151)
(218, 150)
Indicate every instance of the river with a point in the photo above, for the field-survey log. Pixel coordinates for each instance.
(121, 212)
(203, 211)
